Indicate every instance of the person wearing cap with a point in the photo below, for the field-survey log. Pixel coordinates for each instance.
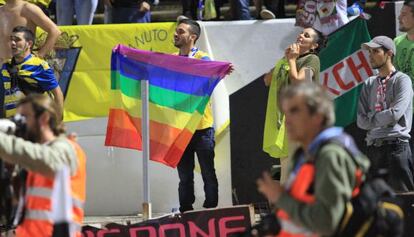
(385, 111)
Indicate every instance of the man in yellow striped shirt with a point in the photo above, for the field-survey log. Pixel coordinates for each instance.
(202, 142)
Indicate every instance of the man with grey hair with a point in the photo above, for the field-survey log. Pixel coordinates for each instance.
(385, 111)
(322, 177)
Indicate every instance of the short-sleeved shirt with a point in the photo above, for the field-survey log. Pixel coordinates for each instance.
(32, 70)
(404, 57)
(310, 61)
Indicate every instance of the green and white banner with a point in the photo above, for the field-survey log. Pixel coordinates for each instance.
(344, 66)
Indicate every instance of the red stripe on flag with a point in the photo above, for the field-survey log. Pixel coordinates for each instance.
(124, 130)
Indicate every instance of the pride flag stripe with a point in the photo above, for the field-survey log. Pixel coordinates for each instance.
(170, 62)
(172, 99)
(174, 118)
(165, 78)
(161, 136)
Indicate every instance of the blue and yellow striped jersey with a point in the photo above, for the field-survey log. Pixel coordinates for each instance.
(34, 71)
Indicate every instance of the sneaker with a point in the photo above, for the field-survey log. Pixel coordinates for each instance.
(267, 15)
(185, 209)
(181, 17)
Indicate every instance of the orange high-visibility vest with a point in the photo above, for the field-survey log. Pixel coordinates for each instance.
(37, 220)
(299, 191)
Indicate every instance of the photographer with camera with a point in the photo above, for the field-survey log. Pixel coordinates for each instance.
(326, 168)
(54, 194)
(26, 73)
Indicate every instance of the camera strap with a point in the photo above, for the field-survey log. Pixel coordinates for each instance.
(17, 81)
(13, 71)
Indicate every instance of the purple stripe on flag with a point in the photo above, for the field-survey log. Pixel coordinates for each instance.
(176, 63)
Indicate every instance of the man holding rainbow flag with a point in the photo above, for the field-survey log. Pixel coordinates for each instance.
(180, 115)
(202, 142)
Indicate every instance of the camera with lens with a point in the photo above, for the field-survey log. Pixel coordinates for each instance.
(8, 173)
(269, 225)
(14, 126)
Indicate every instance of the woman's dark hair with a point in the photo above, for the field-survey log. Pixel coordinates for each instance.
(321, 40)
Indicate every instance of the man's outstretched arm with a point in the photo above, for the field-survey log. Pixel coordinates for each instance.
(36, 15)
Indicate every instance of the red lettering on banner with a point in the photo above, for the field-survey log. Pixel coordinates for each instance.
(196, 231)
(177, 226)
(102, 233)
(338, 79)
(152, 232)
(325, 84)
(225, 231)
(356, 68)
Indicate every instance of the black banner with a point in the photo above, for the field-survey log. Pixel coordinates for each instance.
(212, 222)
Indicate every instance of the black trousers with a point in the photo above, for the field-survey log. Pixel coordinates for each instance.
(203, 144)
(396, 159)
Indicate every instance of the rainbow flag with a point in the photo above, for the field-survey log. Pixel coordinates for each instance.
(179, 91)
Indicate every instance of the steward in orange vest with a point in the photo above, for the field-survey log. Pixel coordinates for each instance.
(54, 193)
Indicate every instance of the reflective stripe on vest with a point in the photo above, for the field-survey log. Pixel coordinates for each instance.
(299, 188)
(47, 193)
(37, 215)
(291, 229)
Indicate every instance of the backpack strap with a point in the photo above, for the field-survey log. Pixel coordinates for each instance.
(348, 144)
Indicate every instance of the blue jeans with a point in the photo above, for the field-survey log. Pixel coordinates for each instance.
(128, 15)
(243, 12)
(83, 9)
(396, 160)
(203, 144)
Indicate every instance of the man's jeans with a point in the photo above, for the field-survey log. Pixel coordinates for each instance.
(243, 11)
(201, 143)
(130, 15)
(83, 9)
(396, 159)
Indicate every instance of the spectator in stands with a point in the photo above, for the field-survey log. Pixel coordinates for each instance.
(26, 74)
(241, 10)
(127, 11)
(83, 9)
(385, 111)
(301, 55)
(325, 16)
(19, 13)
(190, 8)
(272, 9)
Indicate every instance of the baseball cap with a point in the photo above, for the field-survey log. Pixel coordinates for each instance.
(380, 41)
